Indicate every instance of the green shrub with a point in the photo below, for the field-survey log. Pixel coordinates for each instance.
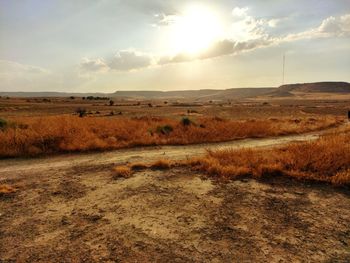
(186, 121)
(81, 112)
(3, 124)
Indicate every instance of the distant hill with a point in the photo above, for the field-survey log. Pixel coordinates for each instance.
(326, 87)
(289, 90)
(317, 87)
(200, 95)
(45, 94)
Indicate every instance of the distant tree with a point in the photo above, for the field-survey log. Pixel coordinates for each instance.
(84, 98)
(150, 105)
(72, 97)
(111, 103)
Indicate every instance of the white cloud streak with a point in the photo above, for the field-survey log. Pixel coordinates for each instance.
(247, 33)
(11, 67)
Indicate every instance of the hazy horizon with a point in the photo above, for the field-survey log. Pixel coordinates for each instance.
(152, 45)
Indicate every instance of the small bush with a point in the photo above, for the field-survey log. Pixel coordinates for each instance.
(166, 129)
(3, 124)
(122, 171)
(81, 112)
(186, 121)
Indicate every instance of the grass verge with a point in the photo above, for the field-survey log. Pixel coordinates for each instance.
(324, 160)
(32, 136)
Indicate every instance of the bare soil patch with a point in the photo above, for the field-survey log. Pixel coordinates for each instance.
(60, 215)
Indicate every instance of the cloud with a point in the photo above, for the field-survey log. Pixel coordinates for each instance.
(329, 27)
(246, 27)
(130, 60)
(218, 49)
(336, 26)
(165, 20)
(240, 12)
(274, 22)
(14, 75)
(93, 65)
(247, 33)
(11, 67)
(125, 60)
(256, 36)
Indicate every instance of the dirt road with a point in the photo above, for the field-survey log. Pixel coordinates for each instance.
(70, 209)
(12, 166)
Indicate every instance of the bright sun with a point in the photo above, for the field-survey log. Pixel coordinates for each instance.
(196, 30)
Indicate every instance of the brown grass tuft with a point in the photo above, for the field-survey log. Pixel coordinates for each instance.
(161, 164)
(6, 189)
(122, 172)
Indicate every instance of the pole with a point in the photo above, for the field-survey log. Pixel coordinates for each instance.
(284, 62)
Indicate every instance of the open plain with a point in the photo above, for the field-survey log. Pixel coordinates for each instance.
(70, 205)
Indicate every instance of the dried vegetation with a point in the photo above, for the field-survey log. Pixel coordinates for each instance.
(31, 136)
(325, 160)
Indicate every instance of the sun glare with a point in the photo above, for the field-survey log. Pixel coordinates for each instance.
(196, 30)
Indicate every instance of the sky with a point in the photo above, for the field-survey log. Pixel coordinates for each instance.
(111, 45)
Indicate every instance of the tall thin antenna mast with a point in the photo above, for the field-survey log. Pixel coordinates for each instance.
(284, 63)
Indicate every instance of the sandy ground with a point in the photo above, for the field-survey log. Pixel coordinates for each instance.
(70, 209)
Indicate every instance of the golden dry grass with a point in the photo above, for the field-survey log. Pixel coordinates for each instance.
(325, 160)
(6, 189)
(30, 136)
(161, 164)
(122, 171)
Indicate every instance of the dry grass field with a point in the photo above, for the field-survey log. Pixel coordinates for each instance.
(37, 126)
(252, 180)
(30, 136)
(324, 160)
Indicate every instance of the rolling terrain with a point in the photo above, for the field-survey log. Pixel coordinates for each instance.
(342, 88)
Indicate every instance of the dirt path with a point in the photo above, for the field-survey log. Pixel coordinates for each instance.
(69, 209)
(13, 166)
